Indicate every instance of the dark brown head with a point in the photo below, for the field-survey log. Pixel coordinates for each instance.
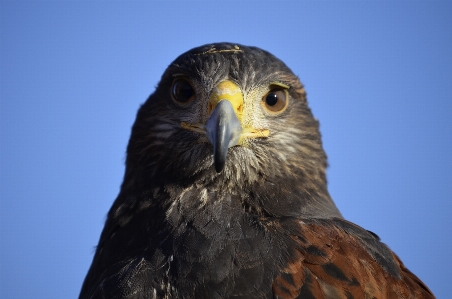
(234, 118)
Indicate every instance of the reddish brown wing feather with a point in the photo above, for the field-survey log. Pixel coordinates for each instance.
(328, 262)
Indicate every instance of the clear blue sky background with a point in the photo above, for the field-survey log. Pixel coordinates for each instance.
(73, 74)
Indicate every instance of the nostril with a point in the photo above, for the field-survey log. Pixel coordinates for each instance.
(209, 109)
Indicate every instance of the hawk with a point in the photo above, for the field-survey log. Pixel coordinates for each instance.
(225, 195)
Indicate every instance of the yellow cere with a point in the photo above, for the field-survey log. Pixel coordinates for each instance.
(229, 91)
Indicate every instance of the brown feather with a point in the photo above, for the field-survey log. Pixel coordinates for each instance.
(265, 227)
(332, 263)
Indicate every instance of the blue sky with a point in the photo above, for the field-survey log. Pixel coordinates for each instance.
(73, 74)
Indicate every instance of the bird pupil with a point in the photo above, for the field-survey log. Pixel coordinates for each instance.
(271, 99)
(187, 91)
(184, 92)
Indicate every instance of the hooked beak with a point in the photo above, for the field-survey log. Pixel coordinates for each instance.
(223, 130)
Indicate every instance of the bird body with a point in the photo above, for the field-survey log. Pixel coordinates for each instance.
(225, 196)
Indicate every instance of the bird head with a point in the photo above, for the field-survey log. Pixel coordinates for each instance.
(229, 115)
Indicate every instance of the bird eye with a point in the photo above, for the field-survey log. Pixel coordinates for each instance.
(182, 91)
(275, 100)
